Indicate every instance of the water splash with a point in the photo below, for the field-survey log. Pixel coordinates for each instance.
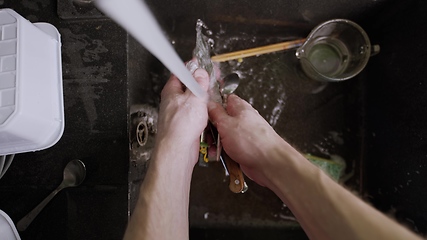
(136, 18)
(277, 110)
(202, 52)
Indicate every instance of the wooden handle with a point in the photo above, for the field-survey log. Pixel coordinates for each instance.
(237, 180)
(258, 51)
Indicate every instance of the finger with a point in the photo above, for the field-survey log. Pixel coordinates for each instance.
(235, 105)
(217, 114)
(216, 70)
(192, 65)
(173, 86)
(202, 77)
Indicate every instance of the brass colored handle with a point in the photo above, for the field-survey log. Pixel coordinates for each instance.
(257, 51)
(237, 179)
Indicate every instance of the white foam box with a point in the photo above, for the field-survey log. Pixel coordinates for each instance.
(31, 95)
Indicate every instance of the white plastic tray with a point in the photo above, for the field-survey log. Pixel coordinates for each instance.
(7, 228)
(31, 96)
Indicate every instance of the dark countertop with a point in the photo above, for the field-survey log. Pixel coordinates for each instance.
(95, 102)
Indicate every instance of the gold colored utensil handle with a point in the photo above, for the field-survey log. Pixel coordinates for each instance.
(257, 51)
(237, 179)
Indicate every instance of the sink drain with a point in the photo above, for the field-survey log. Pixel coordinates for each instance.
(141, 133)
(143, 125)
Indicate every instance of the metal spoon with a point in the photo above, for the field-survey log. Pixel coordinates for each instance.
(237, 180)
(229, 85)
(74, 174)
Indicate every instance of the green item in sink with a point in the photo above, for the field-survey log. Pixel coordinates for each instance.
(334, 168)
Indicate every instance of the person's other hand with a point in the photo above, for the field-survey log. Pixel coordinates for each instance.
(182, 115)
(246, 137)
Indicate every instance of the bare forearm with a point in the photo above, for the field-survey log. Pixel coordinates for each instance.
(162, 208)
(324, 208)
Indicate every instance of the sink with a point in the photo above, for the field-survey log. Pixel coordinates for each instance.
(322, 119)
(374, 122)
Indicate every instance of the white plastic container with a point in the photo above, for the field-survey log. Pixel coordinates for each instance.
(31, 98)
(7, 228)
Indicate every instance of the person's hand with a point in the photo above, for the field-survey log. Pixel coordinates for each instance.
(182, 115)
(246, 137)
(161, 211)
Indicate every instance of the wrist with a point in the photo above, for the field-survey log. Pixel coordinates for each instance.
(285, 165)
(177, 157)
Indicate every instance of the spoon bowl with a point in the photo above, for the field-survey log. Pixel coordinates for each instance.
(229, 84)
(74, 174)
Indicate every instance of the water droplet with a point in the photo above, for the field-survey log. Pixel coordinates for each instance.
(211, 42)
(199, 23)
(362, 49)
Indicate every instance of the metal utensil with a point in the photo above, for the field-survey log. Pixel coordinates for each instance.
(74, 174)
(229, 85)
(257, 51)
(237, 180)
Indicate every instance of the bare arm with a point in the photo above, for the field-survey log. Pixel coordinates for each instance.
(324, 209)
(162, 208)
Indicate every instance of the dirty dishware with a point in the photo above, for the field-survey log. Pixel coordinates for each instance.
(74, 174)
(335, 50)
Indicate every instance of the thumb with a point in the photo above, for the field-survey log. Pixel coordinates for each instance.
(217, 114)
(202, 77)
(236, 105)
